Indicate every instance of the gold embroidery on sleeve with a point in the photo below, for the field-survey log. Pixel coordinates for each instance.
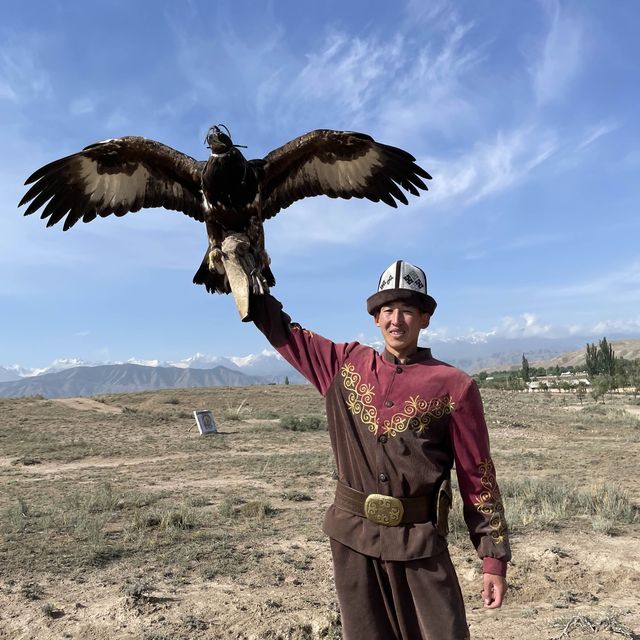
(416, 414)
(489, 502)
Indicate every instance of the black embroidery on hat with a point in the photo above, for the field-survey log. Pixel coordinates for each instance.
(413, 280)
(385, 283)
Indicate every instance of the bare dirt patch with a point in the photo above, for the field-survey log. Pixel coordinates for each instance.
(87, 404)
(125, 523)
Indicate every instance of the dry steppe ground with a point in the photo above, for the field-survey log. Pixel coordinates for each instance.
(119, 521)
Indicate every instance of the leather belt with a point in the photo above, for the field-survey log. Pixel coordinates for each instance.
(381, 509)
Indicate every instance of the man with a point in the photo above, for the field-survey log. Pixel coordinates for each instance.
(398, 421)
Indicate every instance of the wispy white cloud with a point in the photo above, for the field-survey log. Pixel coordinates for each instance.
(428, 14)
(608, 290)
(81, 106)
(526, 325)
(215, 55)
(429, 96)
(348, 70)
(561, 54)
(528, 240)
(596, 132)
(341, 80)
(22, 76)
(479, 248)
(319, 221)
(494, 166)
(622, 285)
(399, 83)
(630, 326)
(529, 325)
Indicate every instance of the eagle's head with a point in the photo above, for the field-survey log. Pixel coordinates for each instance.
(217, 140)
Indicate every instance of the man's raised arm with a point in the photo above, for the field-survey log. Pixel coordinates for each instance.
(315, 357)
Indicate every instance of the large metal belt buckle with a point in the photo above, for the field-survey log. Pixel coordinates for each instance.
(384, 510)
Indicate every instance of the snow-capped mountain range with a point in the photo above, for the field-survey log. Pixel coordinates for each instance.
(73, 376)
(267, 363)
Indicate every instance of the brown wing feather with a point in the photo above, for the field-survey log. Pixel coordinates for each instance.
(338, 164)
(115, 177)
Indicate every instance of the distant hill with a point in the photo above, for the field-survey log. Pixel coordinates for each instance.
(627, 349)
(121, 378)
(7, 375)
(496, 353)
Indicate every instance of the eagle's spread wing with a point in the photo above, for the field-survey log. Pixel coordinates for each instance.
(338, 164)
(116, 176)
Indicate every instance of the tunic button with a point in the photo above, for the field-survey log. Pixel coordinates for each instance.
(388, 403)
(382, 439)
(383, 477)
(398, 369)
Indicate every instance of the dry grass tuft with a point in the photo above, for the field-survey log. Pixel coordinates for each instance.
(303, 423)
(532, 504)
(610, 623)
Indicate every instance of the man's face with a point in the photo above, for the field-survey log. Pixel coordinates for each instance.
(400, 324)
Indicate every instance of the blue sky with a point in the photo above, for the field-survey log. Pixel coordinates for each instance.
(525, 113)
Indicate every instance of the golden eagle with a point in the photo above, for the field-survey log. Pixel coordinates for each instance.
(230, 194)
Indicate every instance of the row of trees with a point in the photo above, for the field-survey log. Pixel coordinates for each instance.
(606, 372)
(527, 372)
(600, 359)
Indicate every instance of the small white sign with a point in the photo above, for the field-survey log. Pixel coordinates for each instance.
(205, 421)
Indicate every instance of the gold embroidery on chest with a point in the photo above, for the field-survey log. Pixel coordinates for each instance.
(360, 398)
(416, 414)
(489, 502)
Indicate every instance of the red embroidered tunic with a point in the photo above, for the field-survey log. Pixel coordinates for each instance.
(397, 429)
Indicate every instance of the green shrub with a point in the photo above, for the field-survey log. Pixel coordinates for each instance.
(137, 589)
(229, 506)
(296, 496)
(32, 590)
(234, 507)
(15, 518)
(257, 509)
(51, 611)
(303, 423)
(609, 503)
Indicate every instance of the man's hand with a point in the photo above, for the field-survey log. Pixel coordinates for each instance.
(493, 590)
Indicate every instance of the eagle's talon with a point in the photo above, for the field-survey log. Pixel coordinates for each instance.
(215, 259)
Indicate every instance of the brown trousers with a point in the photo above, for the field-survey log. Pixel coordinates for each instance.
(412, 600)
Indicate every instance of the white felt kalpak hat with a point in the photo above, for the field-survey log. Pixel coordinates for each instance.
(402, 281)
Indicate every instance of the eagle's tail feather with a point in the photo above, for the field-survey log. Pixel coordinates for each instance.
(267, 274)
(213, 282)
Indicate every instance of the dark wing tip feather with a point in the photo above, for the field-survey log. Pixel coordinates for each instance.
(48, 169)
(396, 151)
(387, 199)
(421, 172)
(415, 180)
